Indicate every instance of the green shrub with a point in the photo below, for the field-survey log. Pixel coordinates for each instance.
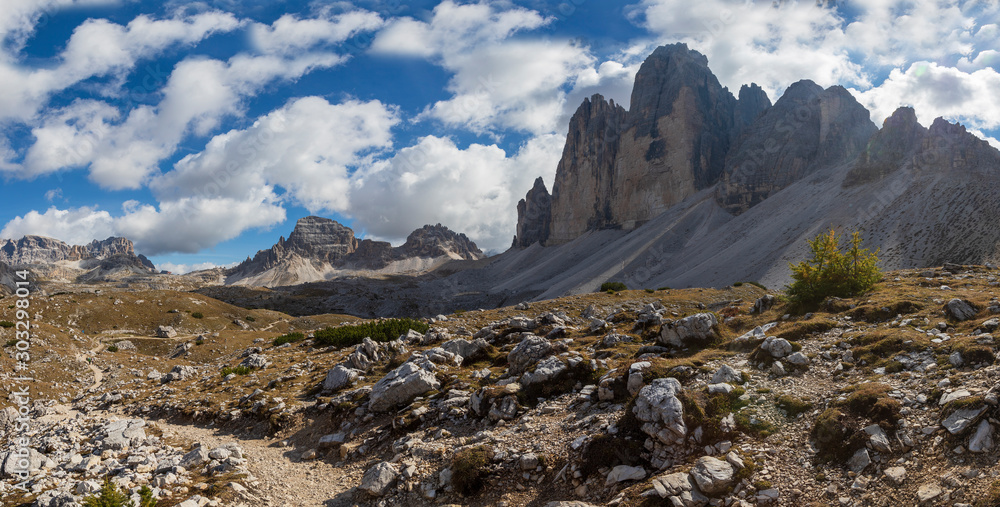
(109, 496)
(198, 315)
(199, 341)
(613, 286)
(146, 497)
(468, 467)
(663, 288)
(380, 331)
(288, 338)
(112, 348)
(793, 406)
(6, 324)
(250, 318)
(650, 291)
(239, 370)
(831, 272)
(11, 342)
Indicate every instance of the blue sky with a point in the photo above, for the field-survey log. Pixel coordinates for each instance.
(203, 130)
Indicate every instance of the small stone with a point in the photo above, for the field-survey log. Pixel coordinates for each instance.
(896, 475)
(928, 492)
(859, 461)
(623, 473)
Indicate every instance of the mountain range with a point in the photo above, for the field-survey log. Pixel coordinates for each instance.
(690, 186)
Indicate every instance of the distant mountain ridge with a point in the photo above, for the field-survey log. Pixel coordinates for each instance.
(107, 260)
(320, 248)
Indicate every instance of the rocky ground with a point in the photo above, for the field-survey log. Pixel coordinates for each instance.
(661, 397)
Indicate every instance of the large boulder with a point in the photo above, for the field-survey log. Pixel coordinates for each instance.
(763, 304)
(469, 350)
(531, 349)
(546, 370)
(165, 332)
(400, 386)
(123, 434)
(776, 347)
(960, 309)
(699, 327)
(680, 489)
(712, 475)
(13, 462)
(661, 412)
(378, 478)
(339, 377)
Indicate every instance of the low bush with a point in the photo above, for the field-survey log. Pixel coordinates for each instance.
(289, 338)
(613, 287)
(380, 331)
(239, 370)
(112, 348)
(6, 324)
(109, 496)
(468, 467)
(198, 315)
(793, 406)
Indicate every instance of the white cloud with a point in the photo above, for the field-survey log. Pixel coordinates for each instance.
(306, 147)
(289, 33)
(455, 28)
(53, 194)
(75, 226)
(192, 224)
(472, 190)
(498, 82)
(773, 45)
(99, 48)
(197, 96)
(934, 90)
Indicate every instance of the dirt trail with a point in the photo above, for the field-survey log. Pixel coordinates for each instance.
(98, 374)
(283, 479)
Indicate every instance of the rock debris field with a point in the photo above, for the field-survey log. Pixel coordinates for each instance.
(694, 397)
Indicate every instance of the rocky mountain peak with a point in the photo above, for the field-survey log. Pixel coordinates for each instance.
(752, 102)
(319, 248)
(890, 149)
(439, 241)
(534, 215)
(321, 238)
(808, 129)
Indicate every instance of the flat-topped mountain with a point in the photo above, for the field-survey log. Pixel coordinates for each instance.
(320, 249)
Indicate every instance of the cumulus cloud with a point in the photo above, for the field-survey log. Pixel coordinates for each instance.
(934, 90)
(99, 48)
(290, 33)
(773, 45)
(192, 224)
(75, 226)
(498, 82)
(472, 190)
(306, 147)
(198, 94)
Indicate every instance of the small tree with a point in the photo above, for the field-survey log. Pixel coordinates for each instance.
(832, 272)
(109, 496)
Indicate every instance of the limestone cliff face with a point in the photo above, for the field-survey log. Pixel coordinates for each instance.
(534, 216)
(890, 149)
(320, 246)
(903, 143)
(807, 130)
(583, 183)
(619, 169)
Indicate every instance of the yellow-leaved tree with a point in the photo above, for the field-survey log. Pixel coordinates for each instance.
(832, 271)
